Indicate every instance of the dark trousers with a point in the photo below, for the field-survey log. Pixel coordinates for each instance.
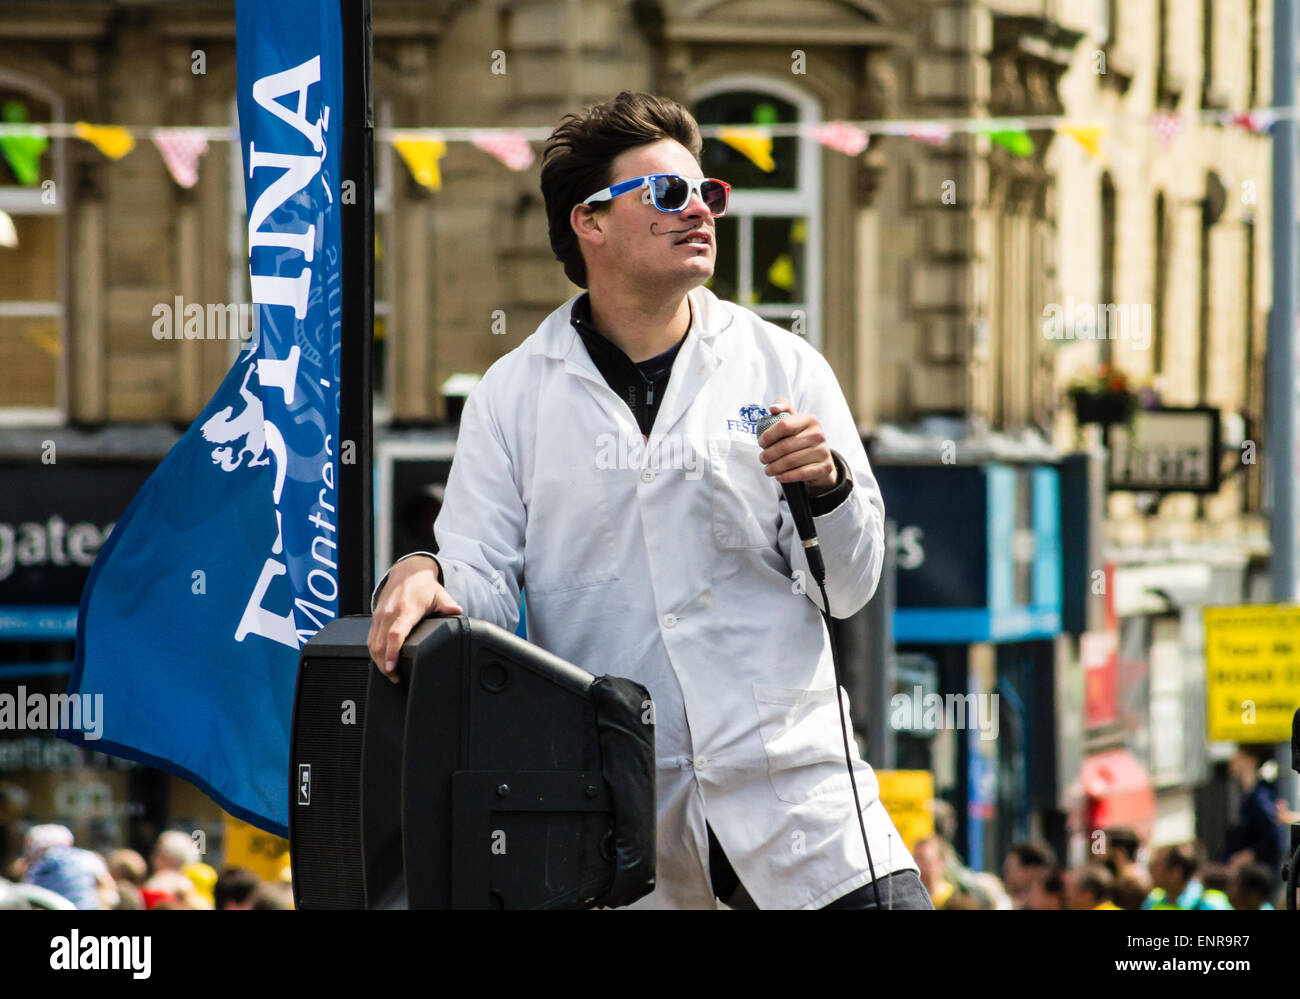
(902, 890)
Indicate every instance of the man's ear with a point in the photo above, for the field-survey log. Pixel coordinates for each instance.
(587, 223)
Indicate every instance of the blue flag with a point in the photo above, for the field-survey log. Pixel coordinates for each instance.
(226, 562)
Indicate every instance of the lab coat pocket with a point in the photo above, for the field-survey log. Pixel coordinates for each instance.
(802, 740)
(569, 542)
(741, 493)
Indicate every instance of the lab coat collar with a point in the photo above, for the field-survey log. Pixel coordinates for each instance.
(557, 337)
(695, 362)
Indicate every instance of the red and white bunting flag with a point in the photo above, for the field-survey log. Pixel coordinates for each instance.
(511, 148)
(1167, 126)
(181, 149)
(1254, 121)
(840, 136)
(935, 135)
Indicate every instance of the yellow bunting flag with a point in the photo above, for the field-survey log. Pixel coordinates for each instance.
(421, 156)
(754, 143)
(1087, 136)
(112, 141)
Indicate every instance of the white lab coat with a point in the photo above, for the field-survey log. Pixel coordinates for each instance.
(679, 567)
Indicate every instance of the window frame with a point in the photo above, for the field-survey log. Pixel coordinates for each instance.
(17, 200)
(806, 200)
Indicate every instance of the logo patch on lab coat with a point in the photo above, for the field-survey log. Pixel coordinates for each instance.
(749, 417)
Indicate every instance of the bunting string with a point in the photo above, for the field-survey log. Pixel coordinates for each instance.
(422, 149)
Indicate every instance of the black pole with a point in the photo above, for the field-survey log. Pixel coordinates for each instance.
(356, 446)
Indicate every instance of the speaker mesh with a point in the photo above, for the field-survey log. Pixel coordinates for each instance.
(326, 830)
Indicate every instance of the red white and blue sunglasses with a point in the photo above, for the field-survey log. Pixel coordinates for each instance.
(670, 193)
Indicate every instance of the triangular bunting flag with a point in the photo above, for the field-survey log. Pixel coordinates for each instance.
(181, 149)
(1167, 126)
(22, 151)
(511, 148)
(935, 135)
(111, 140)
(1088, 136)
(840, 136)
(421, 156)
(1014, 140)
(755, 144)
(1254, 121)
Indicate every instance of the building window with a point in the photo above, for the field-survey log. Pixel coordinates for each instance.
(238, 251)
(32, 271)
(769, 242)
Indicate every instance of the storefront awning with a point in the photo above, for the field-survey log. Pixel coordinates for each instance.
(1118, 792)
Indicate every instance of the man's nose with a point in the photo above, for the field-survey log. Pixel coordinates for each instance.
(696, 207)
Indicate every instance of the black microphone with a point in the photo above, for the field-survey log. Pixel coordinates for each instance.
(796, 495)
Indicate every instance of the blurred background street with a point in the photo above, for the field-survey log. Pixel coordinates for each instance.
(1040, 259)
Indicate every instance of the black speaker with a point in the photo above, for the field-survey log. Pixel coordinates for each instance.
(332, 704)
(493, 775)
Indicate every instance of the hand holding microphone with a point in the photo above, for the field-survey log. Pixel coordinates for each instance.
(796, 453)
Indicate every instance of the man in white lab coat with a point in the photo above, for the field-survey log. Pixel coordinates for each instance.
(609, 465)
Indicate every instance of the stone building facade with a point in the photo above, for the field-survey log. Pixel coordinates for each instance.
(921, 271)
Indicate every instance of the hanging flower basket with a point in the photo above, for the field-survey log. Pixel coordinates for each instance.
(1103, 397)
(1102, 407)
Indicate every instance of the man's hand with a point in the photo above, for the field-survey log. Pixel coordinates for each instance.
(795, 450)
(411, 594)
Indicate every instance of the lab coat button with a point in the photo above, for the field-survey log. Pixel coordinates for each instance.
(670, 620)
(700, 761)
(647, 475)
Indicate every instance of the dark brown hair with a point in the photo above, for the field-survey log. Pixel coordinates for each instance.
(579, 154)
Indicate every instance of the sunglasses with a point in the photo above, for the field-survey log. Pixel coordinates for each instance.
(670, 193)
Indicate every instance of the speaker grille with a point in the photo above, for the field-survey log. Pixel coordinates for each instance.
(326, 802)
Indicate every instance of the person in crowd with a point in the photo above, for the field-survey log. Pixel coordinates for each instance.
(1122, 846)
(272, 895)
(1215, 881)
(929, 856)
(172, 851)
(53, 863)
(174, 888)
(1250, 886)
(1046, 890)
(1026, 863)
(235, 888)
(984, 886)
(204, 879)
(1092, 887)
(1173, 872)
(129, 866)
(1257, 833)
(1132, 887)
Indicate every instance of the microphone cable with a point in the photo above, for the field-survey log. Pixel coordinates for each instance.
(796, 497)
(844, 732)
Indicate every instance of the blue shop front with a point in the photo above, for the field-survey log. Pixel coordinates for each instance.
(978, 610)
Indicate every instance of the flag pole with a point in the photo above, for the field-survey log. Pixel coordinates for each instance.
(355, 449)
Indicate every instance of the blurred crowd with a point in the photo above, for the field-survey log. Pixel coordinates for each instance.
(52, 872)
(1122, 872)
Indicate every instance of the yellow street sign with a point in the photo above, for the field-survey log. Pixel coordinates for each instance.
(908, 797)
(263, 853)
(1252, 659)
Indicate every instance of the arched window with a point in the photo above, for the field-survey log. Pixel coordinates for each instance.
(32, 271)
(769, 242)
